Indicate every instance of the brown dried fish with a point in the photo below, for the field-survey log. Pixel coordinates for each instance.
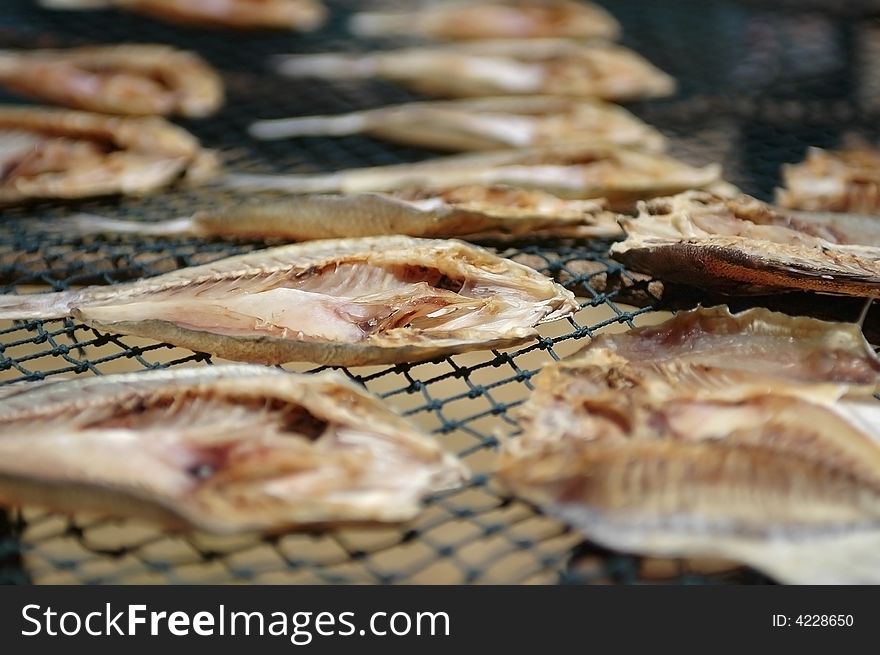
(724, 245)
(342, 302)
(619, 175)
(845, 180)
(240, 14)
(225, 449)
(761, 445)
(465, 20)
(491, 212)
(482, 124)
(504, 67)
(53, 153)
(116, 79)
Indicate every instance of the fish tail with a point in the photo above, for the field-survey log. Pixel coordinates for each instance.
(327, 66)
(75, 5)
(309, 126)
(36, 305)
(86, 224)
(288, 183)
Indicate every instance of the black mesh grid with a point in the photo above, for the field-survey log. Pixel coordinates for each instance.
(759, 82)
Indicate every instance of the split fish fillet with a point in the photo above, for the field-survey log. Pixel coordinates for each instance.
(505, 67)
(740, 246)
(469, 211)
(483, 124)
(768, 455)
(492, 19)
(224, 449)
(619, 175)
(341, 302)
(302, 15)
(55, 153)
(846, 180)
(116, 79)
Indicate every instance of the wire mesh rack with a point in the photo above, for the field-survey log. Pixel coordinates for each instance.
(759, 83)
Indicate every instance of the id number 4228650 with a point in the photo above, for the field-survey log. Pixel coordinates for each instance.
(813, 621)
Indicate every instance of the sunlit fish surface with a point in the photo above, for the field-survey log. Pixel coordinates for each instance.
(224, 449)
(846, 180)
(619, 175)
(57, 153)
(757, 445)
(483, 124)
(457, 20)
(492, 212)
(301, 15)
(116, 79)
(491, 68)
(342, 302)
(741, 246)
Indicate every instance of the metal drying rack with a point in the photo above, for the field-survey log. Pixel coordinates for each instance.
(759, 82)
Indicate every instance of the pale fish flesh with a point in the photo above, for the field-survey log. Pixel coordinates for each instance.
(846, 180)
(619, 175)
(116, 79)
(724, 245)
(55, 153)
(303, 15)
(476, 212)
(504, 67)
(648, 447)
(454, 20)
(341, 302)
(482, 124)
(224, 449)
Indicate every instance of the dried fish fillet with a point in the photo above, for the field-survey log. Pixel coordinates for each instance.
(470, 211)
(493, 19)
(483, 124)
(845, 180)
(761, 444)
(224, 449)
(619, 175)
(54, 153)
(116, 79)
(716, 244)
(342, 302)
(240, 14)
(504, 67)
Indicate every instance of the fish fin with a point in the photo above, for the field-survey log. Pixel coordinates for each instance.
(85, 224)
(281, 128)
(327, 66)
(863, 315)
(290, 183)
(845, 557)
(36, 305)
(75, 5)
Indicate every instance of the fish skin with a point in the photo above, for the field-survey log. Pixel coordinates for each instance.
(621, 176)
(341, 302)
(482, 124)
(650, 446)
(498, 67)
(455, 21)
(136, 79)
(302, 15)
(76, 154)
(701, 240)
(223, 449)
(846, 180)
(477, 212)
